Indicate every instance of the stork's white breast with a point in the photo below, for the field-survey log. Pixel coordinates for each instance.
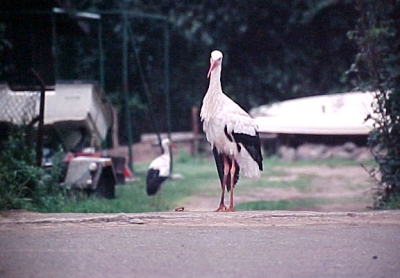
(161, 163)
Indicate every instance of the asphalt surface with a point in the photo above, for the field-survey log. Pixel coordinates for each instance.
(185, 244)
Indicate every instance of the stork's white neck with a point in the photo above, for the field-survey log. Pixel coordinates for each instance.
(212, 99)
(165, 149)
(215, 81)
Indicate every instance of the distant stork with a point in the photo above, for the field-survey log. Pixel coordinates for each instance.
(159, 169)
(232, 133)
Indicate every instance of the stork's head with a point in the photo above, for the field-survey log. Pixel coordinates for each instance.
(166, 143)
(215, 60)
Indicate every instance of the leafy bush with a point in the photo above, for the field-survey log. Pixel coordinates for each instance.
(22, 184)
(378, 67)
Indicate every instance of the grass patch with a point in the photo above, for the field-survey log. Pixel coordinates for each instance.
(281, 204)
(301, 183)
(132, 197)
(199, 178)
(334, 162)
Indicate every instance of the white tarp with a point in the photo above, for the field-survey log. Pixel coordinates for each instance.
(340, 114)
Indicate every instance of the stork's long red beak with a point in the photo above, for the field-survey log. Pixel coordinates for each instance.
(172, 145)
(212, 66)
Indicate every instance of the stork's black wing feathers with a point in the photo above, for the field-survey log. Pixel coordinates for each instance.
(153, 181)
(252, 145)
(219, 161)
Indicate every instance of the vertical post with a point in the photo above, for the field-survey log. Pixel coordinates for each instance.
(54, 46)
(195, 130)
(101, 53)
(126, 89)
(166, 89)
(39, 138)
(166, 76)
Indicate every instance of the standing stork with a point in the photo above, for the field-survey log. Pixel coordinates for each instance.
(159, 169)
(232, 133)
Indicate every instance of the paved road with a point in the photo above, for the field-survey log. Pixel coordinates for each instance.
(240, 244)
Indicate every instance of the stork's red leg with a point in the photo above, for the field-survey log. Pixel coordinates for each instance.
(232, 180)
(222, 206)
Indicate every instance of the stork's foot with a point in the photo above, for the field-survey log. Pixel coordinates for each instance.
(230, 209)
(221, 208)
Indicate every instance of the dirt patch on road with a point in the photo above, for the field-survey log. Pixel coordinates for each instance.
(22, 220)
(344, 188)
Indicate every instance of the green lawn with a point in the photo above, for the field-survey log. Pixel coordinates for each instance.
(132, 197)
(199, 177)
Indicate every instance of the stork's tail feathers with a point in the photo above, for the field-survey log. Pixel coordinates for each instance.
(252, 145)
(153, 181)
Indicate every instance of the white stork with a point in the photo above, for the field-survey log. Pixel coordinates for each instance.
(159, 169)
(232, 133)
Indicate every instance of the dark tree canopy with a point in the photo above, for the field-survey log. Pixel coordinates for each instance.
(274, 50)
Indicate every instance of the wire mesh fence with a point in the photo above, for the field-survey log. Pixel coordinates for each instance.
(18, 107)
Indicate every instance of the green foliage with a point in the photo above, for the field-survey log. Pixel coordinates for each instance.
(378, 67)
(183, 156)
(275, 50)
(22, 184)
(281, 204)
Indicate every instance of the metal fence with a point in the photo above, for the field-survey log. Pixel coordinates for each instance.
(18, 107)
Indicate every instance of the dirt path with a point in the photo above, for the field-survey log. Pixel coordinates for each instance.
(346, 188)
(16, 220)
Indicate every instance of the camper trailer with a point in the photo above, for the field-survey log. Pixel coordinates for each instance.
(77, 120)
